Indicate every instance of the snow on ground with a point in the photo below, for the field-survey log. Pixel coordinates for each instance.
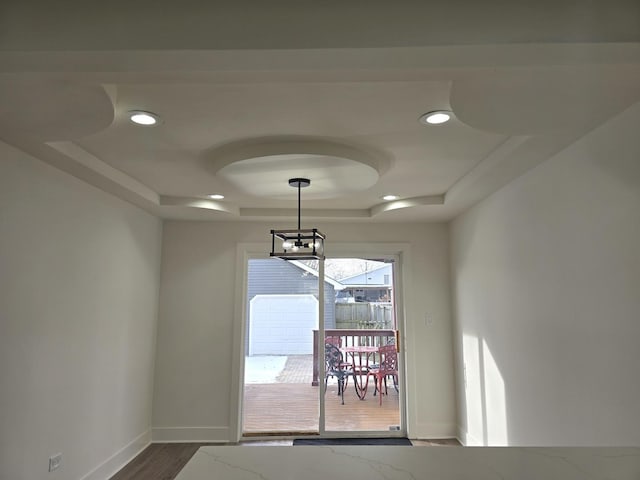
(263, 368)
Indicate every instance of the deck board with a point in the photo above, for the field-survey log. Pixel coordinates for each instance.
(293, 408)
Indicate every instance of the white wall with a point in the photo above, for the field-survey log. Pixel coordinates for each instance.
(79, 277)
(547, 299)
(193, 395)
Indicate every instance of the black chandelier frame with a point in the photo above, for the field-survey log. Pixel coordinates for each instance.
(300, 244)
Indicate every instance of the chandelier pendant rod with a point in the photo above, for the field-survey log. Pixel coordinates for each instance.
(299, 187)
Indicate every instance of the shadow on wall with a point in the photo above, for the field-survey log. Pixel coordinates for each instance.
(486, 408)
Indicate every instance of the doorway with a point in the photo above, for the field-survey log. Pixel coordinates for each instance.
(284, 384)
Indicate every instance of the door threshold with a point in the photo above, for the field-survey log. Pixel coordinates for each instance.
(281, 434)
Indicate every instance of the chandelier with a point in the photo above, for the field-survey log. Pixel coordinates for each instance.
(298, 244)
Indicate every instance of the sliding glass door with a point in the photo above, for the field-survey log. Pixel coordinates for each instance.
(362, 374)
(321, 348)
(281, 316)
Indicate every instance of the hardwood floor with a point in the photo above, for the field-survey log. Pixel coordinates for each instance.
(159, 461)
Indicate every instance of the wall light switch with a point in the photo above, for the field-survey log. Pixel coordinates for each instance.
(428, 319)
(54, 461)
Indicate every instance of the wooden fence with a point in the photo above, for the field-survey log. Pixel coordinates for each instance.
(364, 315)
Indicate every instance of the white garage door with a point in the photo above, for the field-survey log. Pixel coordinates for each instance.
(282, 324)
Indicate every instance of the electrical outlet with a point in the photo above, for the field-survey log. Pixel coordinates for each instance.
(54, 461)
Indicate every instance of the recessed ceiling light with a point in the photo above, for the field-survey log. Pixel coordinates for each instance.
(216, 196)
(143, 118)
(436, 117)
(390, 197)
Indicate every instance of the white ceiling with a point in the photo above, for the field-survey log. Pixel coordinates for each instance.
(241, 122)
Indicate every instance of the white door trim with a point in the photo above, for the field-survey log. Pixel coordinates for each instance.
(401, 252)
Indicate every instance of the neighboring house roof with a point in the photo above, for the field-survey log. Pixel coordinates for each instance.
(366, 285)
(348, 280)
(336, 285)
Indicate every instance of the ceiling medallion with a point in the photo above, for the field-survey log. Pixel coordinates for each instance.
(298, 244)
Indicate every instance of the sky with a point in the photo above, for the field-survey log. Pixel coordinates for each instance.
(339, 268)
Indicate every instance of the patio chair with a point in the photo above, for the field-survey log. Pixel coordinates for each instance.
(336, 367)
(337, 341)
(388, 367)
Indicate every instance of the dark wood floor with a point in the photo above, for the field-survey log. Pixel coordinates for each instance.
(159, 461)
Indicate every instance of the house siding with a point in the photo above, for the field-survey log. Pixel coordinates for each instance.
(279, 277)
(372, 277)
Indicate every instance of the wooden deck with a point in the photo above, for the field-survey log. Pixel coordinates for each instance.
(292, 408)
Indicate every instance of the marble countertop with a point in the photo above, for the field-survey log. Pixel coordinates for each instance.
(400, 463)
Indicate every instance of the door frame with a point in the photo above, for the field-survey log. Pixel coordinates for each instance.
(399, 252)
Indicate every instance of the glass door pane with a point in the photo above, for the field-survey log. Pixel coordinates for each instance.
(362, 375)
(282, 314)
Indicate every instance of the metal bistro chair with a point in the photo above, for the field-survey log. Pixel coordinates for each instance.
(388, 368)
(337, 341)
(335, 366)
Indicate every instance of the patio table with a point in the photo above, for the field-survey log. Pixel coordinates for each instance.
(361, 356)
(348, 337)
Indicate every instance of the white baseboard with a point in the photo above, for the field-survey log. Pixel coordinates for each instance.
(119, 459)
(468, 440)
(190, 434)
(426, 431)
